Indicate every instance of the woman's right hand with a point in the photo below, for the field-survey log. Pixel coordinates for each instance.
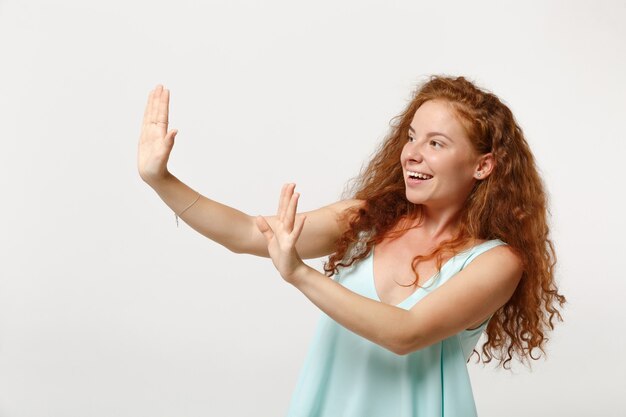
(155, 142)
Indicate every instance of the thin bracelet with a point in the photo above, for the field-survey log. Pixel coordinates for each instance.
(185, 209)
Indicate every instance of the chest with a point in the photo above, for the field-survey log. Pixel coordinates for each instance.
(393, 275)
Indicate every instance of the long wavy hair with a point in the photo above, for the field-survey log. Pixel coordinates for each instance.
(510, 205)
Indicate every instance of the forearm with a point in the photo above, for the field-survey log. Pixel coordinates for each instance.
(378, 322)
(223, 224)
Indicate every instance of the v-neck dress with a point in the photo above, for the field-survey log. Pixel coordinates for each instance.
(346, 375)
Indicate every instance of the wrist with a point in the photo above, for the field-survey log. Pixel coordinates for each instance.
(300, 275)
(157, 182)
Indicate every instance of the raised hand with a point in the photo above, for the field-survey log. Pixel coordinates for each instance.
(281, 241)
(155, 142)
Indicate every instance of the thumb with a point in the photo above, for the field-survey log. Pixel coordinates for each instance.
(264, 228)
(169, 138)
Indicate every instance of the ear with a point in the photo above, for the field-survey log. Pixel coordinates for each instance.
(485, 165)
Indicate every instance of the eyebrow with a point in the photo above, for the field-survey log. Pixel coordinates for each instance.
(429, 134)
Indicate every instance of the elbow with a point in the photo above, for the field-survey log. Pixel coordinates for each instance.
(405, 350)
(246, 250)
(235, 250)
(407, 344)
(400, 352)
(400, 348)
(237, 247)
(405, 336)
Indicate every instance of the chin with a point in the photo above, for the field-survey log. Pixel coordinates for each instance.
(413, 199)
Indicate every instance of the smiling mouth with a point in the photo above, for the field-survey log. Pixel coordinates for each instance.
(418, 175)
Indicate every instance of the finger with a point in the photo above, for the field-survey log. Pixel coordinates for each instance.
(280, 200)
(264, 228)
(285, 196)
(154, 107)
(291, 212)
(163, 108)
(169, 138)
(298, 227)
(161, 112)
(146, 113)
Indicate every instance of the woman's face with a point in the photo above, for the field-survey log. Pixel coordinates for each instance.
(439, 148)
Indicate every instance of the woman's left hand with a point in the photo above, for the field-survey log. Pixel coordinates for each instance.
(281, 241)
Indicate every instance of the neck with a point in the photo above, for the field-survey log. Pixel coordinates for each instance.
(436, 223)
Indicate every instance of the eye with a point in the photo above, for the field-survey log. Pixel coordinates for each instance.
(410, 138)
(435, 143)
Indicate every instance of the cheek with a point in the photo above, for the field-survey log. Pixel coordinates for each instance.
(448, 163)
(438, 163)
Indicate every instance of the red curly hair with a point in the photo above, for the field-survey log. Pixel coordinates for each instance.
(510, 205)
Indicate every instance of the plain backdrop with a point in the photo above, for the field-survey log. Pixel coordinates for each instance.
(108, 309)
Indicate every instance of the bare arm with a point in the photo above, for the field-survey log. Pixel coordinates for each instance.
(322, 228)
(225, 225)
(477, 291)
(238, 232)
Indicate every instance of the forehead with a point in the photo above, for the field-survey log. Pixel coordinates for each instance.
(438, 116)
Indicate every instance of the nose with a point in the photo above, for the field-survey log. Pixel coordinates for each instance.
(412, 152)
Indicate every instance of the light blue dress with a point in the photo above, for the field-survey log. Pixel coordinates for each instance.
(346, 375)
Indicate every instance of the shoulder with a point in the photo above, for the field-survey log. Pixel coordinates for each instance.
(498, 259)
(467, 299)
(506, 254)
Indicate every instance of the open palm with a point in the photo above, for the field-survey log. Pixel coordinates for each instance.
(155, 142)
(281, 241)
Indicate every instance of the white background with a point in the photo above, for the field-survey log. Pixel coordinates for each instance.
(108, 309)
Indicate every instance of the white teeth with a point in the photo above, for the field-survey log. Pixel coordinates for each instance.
(419, 175)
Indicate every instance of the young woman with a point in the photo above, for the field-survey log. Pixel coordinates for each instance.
(444, 236)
